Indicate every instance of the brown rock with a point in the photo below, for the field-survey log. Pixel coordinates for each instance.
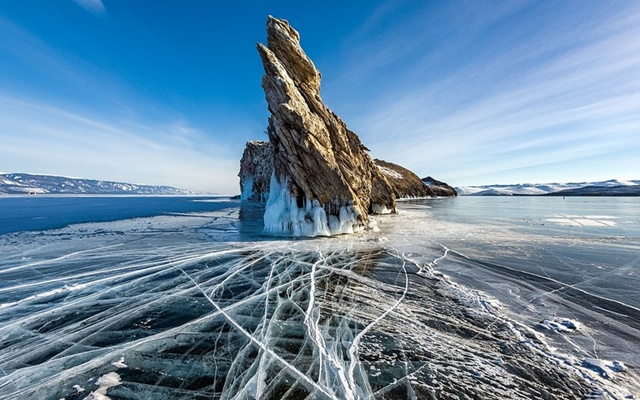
(405, 183)
(319, 164)
(256, 166)
(439, 188)
(323, 182)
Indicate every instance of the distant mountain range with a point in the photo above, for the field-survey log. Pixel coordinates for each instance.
(606, 188)
(18, 183)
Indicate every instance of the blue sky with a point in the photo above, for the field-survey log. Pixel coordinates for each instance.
(469, 92)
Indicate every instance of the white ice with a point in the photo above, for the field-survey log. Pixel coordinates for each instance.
(247, 187)
(189, 312)
(282, 215)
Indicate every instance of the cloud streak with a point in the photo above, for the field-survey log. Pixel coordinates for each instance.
(94, 6)
(567, 93)
(42, 138)
(466, 92)
(78, 120)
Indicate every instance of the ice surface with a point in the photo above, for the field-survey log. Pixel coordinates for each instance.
(203, 306)
(588, 220)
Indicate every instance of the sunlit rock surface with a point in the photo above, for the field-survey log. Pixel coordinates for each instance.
(324, 182)
(256, 167)
(440, 189)
(405, 183)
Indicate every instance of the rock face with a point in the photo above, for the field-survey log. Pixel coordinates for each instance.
(405, 183)
(323, 181)
(439, 189)
(256, 166)
(319, 177)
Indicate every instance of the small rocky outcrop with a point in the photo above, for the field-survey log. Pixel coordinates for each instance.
(405, 183)
(440, 189)
(256, 166)
(324, 182)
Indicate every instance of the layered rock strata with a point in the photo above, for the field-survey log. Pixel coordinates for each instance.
(405, 183)
(256, 167)
(439, 188)
(323, 182)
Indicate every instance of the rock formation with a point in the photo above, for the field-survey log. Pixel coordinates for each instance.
(256, 167)
(405, 183)
(439, 189)
(324, 182)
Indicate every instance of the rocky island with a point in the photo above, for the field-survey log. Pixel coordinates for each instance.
(316, 176)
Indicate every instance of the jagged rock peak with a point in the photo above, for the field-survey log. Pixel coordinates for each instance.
(256, 167)
(319, 164)
(284, 42)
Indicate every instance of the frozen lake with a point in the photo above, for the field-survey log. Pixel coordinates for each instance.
(184, 298)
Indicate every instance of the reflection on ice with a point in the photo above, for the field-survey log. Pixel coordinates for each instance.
(151, 314)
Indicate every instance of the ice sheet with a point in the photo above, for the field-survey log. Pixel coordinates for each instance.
(200, 306)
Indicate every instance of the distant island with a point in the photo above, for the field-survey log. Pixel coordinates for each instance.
(19, 183)
(611, 187)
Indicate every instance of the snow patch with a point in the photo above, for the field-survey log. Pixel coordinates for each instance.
(588, 220)
(390, 173)
(104, 383)
(604, 367)
(561, 325)
(120, 363)
(380, 209)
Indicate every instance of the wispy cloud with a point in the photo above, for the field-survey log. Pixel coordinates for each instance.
(94, 6)
(42, 138)
(77, 120)
(562, 91)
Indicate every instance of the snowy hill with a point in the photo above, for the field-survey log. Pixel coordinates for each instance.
(611, 187)
(18, 183)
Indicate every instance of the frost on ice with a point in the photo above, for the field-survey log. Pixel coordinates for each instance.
(349, 318)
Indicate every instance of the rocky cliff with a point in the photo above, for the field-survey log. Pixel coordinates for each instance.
(439, 189)
(324, 182)
(256, 166)
(405, 183)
